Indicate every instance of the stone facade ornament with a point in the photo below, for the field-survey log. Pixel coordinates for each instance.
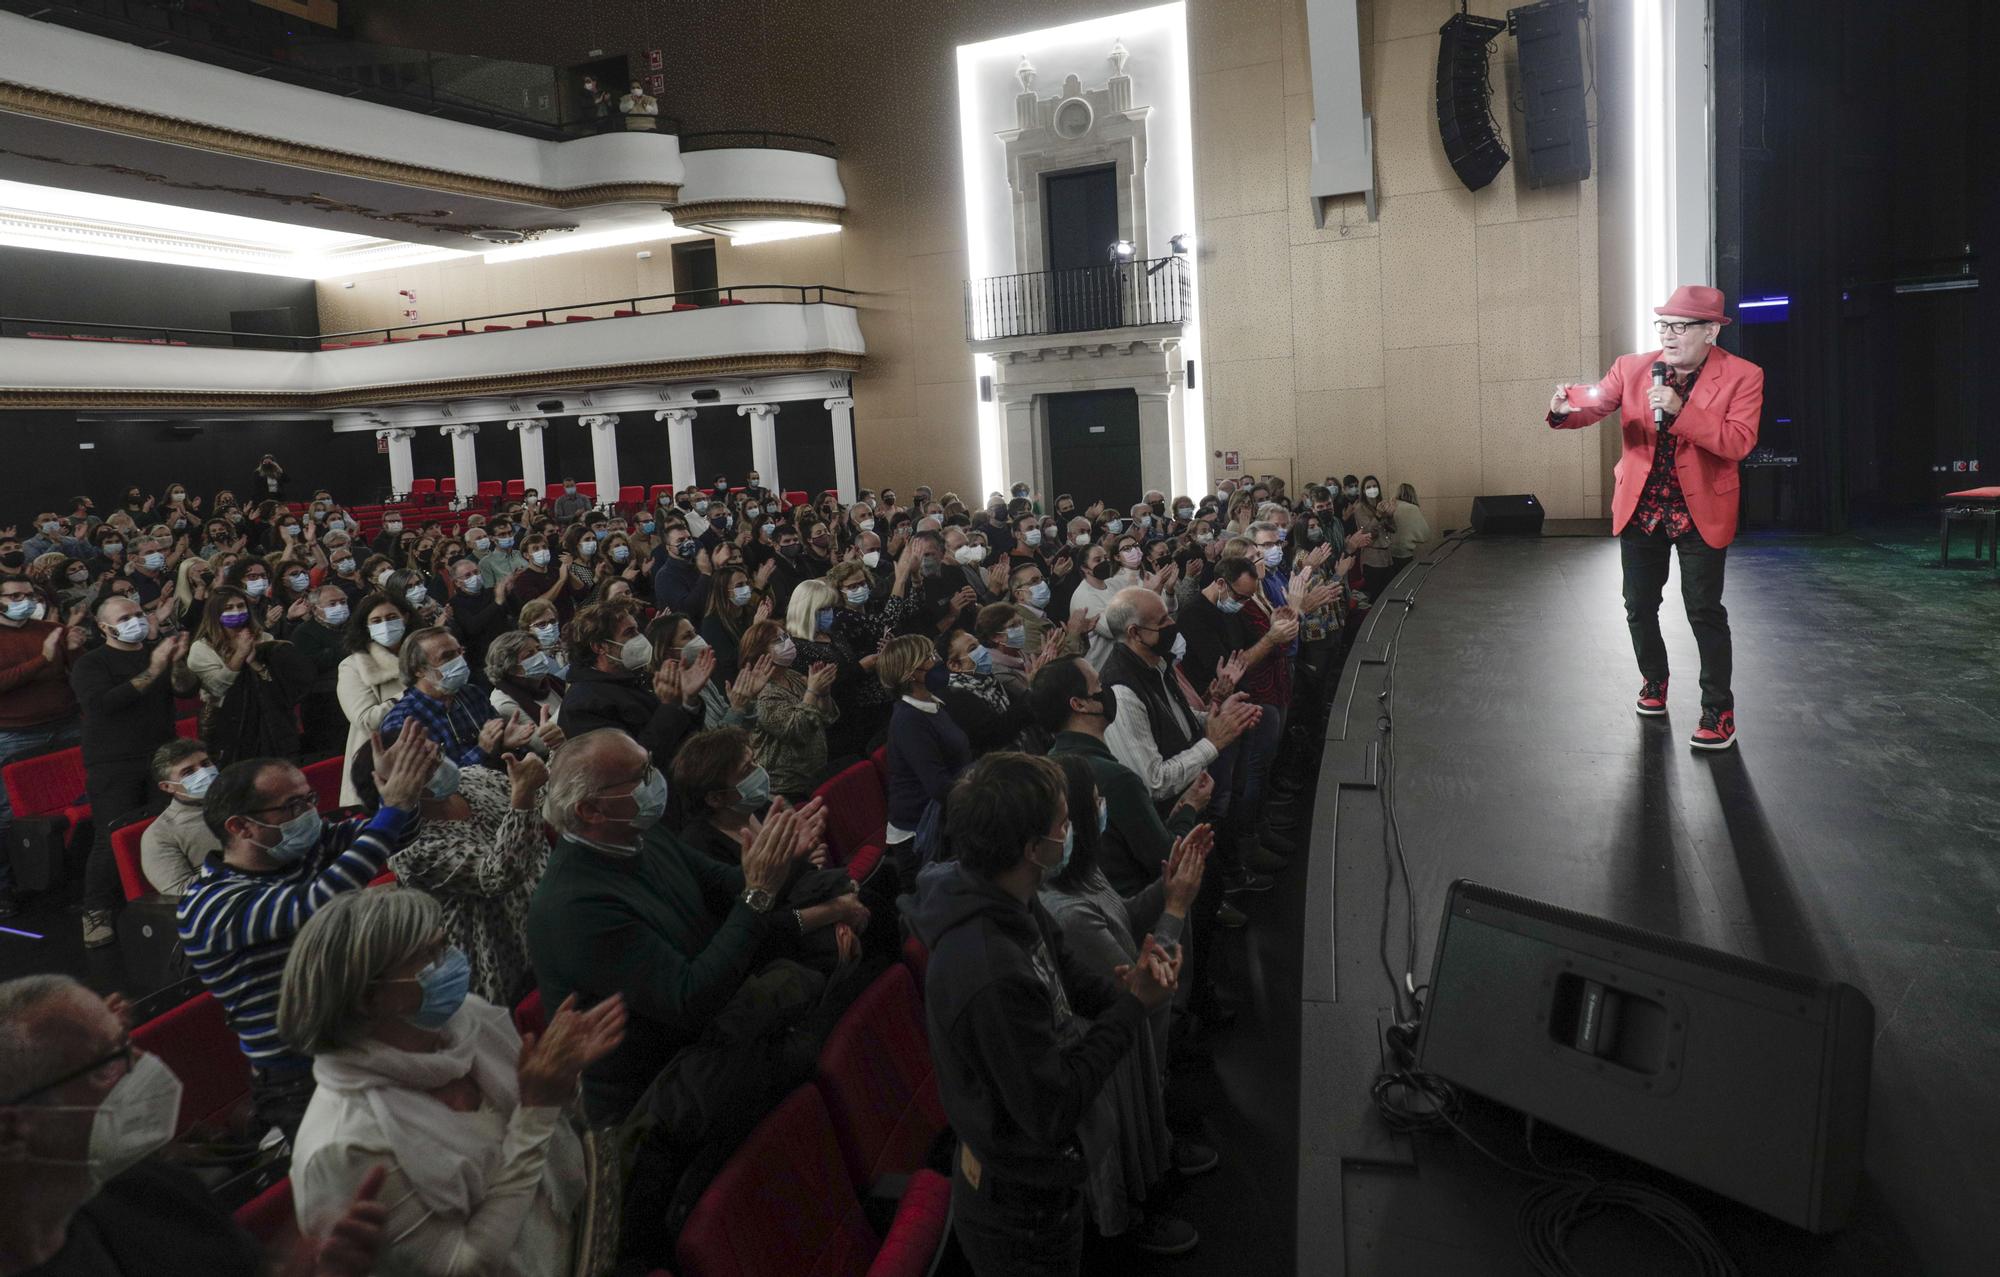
(1025, 73)
(1119, 56)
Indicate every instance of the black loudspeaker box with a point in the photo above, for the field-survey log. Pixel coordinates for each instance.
(1516, 515)
(1464, 91)
(1551, 53)
(1747, 1079)
(35, 851)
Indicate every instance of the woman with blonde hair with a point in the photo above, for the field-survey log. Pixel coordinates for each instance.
(793, 711)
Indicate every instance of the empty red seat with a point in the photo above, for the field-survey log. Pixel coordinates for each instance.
(788, 1177)
(49, 785)
(588, 489)
(541, 323)
(857, 810)
(324, 777)
(499, 328)
(632, 495)
(619, 314)
(880, 1087)
(196, 1042)
(125, 850)
(516, 487)
(423, 489)
(448, 487)
(686, 306)
(489, 489)
(730, 301)
(187, 728)
(454, 332)
(578, 319)
(428, 336)
(270, 1218)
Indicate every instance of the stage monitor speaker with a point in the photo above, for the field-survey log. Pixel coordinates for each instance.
(1744, 1078)
(1465, 117)
(1517, 515)
(1551, 54)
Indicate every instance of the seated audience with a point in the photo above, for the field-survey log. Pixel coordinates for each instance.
(279, 862)
(610, 684)
(927, 751)
(793, 711)
(1023, 1033)
(178, 841)
(422, 1079)
(38, 712)
(371, 677)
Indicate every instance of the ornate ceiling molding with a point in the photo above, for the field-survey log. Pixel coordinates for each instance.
(160, 128)
(12, 398)
(711, 211)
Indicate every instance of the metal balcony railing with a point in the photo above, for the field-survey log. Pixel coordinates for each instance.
(469, 326)
(1138, 294)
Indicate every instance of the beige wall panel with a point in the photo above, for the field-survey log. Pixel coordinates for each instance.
(1434, 439)
(1294, 60)
(1250, 408)
(1234, 33)
(887, 384)
(1430, 293)
(882, 449)
(1239, 141)
(1337, 308)
(1246, 287)
(1445, 512)
(1509, 198)
(1398, 19)
(1342, 432)
(1528, 325)
(1588, 320)
(944, 448)
(1514, 440)
(937, 319)
(1408, 155)
(1563, 492)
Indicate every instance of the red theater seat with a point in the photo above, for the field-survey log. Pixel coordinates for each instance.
(631, 495)
(876, 1075)
(540, 323)
(578, 319)
(658, 490)
(516, 488)
(428, 336)
(620, 314)
(499, 328)
(857, 811)
(187, 728)
(196, 1042)
(49, 785)
(730, 301)
(881, 760)
(448, 487)
(588, 490)
(789, 1179)
(423, 489)
(489, 490)
(528, 1017)
(270, 1218)
(125, 850)
(324, 777)
(686, 306)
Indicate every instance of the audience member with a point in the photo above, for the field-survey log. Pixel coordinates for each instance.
(279, 862)
(178, 840)
(793, 711)
(38, 713)
(370, 678)
(1023, 1034)
(610, 686)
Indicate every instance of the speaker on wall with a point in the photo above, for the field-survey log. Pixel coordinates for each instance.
(1515, 515)
(1747, 1079)
(1465, 117)
(1551, 55)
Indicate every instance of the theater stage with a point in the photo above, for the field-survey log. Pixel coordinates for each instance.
(1854, 833)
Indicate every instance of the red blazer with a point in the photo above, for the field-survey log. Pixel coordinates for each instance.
(1719, 419)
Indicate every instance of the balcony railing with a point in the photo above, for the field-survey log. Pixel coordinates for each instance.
(471, 326)
(1116, 295)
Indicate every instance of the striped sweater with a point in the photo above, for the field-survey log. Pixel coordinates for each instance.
(237, 926)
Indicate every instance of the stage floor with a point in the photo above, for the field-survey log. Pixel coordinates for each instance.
(1854, 833)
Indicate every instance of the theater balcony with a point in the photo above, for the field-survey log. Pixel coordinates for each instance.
(403, 145)
(733, 332)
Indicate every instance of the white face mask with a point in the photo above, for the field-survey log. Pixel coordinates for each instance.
(637, 653)
(539, 558)
(872, 560)
(1033, 536)
(132, 629)
(256, 586)
(546, 634)
(387, 633)
(970, 554)
(785, 653)
(867, 525)
(136, 1119)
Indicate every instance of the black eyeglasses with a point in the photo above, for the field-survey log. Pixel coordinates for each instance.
(122, 1054)
(1677, 327)
(297, 806)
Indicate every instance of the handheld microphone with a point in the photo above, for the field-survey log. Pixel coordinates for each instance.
(1659, 379)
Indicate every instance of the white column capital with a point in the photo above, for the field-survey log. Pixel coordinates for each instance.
(674, 415)
(764, 411)
(601, 422)
(528, 425)
(394, 433)
(458, 429)
(841, 401)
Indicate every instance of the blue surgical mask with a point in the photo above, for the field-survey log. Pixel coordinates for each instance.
(651, 798)
(858, 595)
(296, 837)
(535, 664)
(505, 543)
(337, 614)
(1229, 604)
(620, 553)
(547, 633)
(646, 526)
(455, 673)
(753, 792)
(196, 783)
(154, 562)
(1038, 594)
(444, 781)
(1273, 555)
(1115, 526)
(1017, 637)
(444, 983)
(823, 619)
(982, 659)
(740, 596)
(22, 609)
(1069, 848)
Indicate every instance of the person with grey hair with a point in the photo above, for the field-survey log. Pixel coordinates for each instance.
(431, 1083)
(178, 840)
(459, 718)
(81, 1113)
(523, 681)
(628, 908)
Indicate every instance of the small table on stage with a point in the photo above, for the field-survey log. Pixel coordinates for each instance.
(1981, 508)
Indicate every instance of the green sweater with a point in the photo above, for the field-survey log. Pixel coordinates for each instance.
(644, 925)
(1136, 841)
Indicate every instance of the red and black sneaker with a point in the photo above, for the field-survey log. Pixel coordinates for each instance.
(1717, 730)
(1653, 698)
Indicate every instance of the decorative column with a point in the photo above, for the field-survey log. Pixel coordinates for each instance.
(1156, 449)
(402, 471)
(1177, 393)
(1017, 442)
(533, 475)
(680, 445)
(843, 449)
(604, 451)
(764, 442)
(464, 462)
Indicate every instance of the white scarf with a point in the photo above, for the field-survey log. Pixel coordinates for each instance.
(445, 1157)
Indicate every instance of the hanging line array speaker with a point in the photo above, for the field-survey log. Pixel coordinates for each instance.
(1552, 86)
(1464, 92)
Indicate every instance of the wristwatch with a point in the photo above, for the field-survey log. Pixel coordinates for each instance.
(759, 900)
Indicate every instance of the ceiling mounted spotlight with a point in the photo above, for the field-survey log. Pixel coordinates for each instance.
(1122, 250)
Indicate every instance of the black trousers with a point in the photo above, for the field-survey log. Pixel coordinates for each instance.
(1645, 558)
(1009, 1231)
(118, 788)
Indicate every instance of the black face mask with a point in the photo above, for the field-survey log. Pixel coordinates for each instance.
(1104, 570)
(1163, 641)
(13, 558)
(1107, 701)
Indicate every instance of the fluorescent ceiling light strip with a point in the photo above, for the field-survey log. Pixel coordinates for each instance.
(1766, 301)
(772, 232)
(555, 245)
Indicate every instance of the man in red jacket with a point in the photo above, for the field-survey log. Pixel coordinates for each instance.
(1689, 413)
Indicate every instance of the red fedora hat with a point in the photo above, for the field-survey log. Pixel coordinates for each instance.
(1696, 301)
